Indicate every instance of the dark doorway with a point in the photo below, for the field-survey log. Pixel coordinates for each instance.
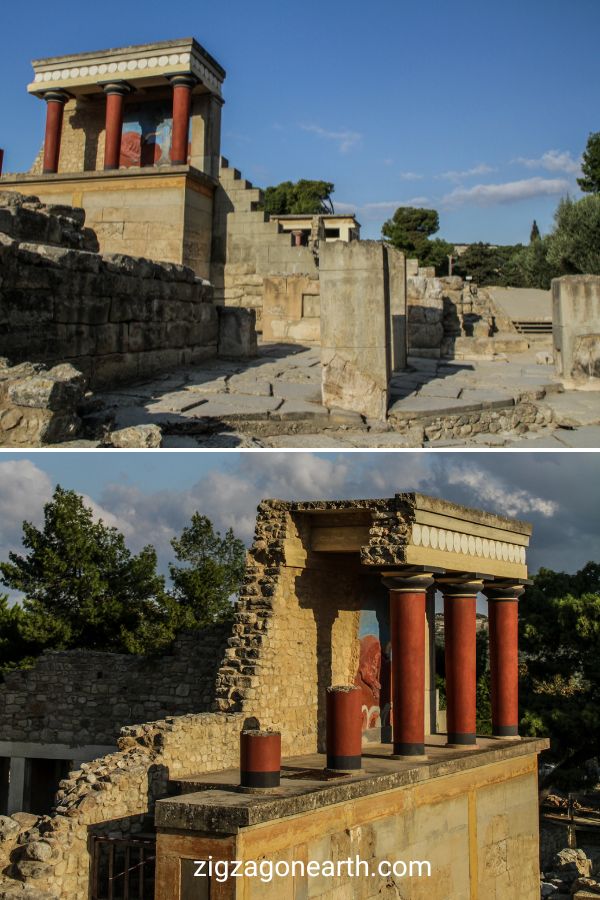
(41, 783)
(4, 776)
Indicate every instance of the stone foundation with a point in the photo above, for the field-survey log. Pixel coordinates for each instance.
(576, 329)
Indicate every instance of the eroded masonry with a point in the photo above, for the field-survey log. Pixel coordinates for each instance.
(323, 739)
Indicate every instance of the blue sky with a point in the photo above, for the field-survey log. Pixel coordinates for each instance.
(480, 110)
(150, 497)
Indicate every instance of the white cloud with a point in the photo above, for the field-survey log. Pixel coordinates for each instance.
(394, 204)
(410, 176)
(553, 161)
(509, 192)
(498, 493)
(480, 169)
(346, 140)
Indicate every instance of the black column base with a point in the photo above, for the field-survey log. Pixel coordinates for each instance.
(501, 731)
(462, 738)
(260, 779)
(409, 749)
(344, 763)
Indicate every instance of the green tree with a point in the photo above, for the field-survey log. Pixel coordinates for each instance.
(212, 574)
(482, 263)
(15, 650)
(83, 588)
(574, 245)
(301, 197)
(590, 166)
(535, 232)
(530, 267)
(409, 230)
(560, 668)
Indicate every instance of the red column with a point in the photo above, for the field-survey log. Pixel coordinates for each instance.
(260, 759)
(182, 97)
(344, 728)
(115, 91)
(55, 104)
(503, 617)
(460, 625)
(407, 637)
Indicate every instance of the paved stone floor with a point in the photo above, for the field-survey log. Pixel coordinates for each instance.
(274, 401)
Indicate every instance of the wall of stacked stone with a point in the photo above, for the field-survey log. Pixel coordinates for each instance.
(443, 310)
(80, 697)
(520, 417)
(113, 317)
(247, 246)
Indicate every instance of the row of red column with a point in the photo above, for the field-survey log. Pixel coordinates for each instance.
(115, 92)
(407, 634)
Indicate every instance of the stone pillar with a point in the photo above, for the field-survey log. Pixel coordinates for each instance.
(182, 96)
(16, 785)
(55, 105)
(407, 638)
(115, 91)
(503, 618)
(460, 626)
(297, 237)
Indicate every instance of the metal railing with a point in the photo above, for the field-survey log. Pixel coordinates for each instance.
(123, 868)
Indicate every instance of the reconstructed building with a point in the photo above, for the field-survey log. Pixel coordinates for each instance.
(337, 594)
(133, 136)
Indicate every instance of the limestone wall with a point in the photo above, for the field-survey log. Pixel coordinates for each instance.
(158, 213)
(576, 329)
(363, 314)
(292, 309)
(477, 828)
(247, 247)
(115, 318)
(80, 697)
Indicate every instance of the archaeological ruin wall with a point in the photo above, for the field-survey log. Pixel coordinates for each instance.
(576, 329)
(114, 318)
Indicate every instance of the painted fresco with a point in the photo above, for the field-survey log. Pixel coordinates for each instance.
(146, 137)
(374, 672)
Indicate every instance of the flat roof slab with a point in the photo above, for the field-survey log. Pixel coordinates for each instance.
(214, 804)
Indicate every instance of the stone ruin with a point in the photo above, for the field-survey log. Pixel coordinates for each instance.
(72, 318)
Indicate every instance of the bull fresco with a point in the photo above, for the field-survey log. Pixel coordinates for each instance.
(146, 137)
(373, 675)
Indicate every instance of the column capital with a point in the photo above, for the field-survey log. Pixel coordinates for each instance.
(183, 79)
(510, 593)
(56, 96)
(116, 87)
(408, 584)
(458, 588)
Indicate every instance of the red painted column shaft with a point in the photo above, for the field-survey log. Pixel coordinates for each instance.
(503, 617)
(182, 98)
(460, 625)
(55, 104)
(114, 124)
(344, 728)
(407, 636)
(260, 758)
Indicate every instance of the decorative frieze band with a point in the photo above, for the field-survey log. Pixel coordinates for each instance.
(466, 544)
(142, 65)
